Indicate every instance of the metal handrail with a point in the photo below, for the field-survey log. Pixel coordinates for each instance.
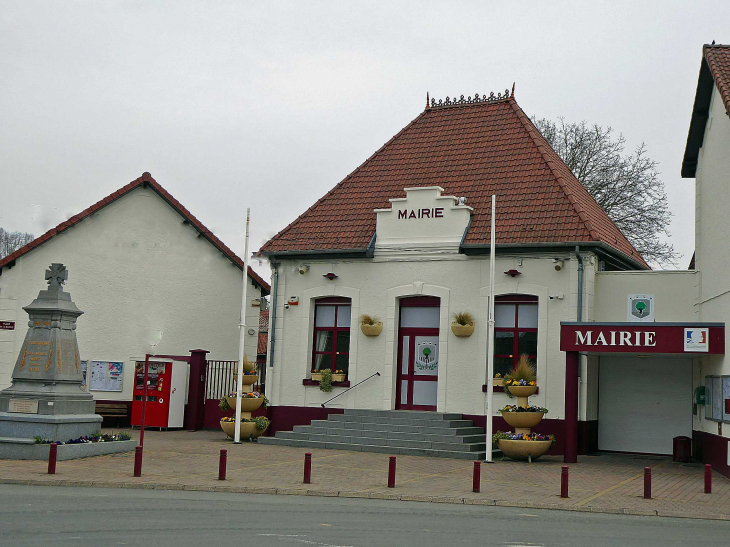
(349, 388)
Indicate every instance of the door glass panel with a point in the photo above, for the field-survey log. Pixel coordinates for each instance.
(527, 343)
(424, 393)
(404, 392)
(426, 356)
(343, 316)
(323, 341)
(528, 317)
(405, 353)
(343, 340)
(504, 315)
(504, 343)
(420, 317)
(325, 316)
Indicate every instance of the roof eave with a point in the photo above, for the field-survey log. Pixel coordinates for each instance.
(700, 113)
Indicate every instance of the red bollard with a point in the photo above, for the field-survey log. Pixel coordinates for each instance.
(308, 468)
(52, 453)
(477, 477)
(222, 464)
(564, 482)
(708, 478)
(391, 472)
(138, 461)
(647, 483)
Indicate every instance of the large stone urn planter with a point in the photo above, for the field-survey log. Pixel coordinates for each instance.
(248, 404)
(248, 429)
(522, 391)
(522, 420)
(523, 450)
(248, 379)
(462, 330)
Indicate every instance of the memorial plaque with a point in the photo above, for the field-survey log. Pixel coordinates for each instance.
(7, 325)
(23, 406)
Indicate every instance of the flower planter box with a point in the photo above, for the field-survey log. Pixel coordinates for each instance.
(522, 419)
(462, 330)
(523, 450)
(372, 330)
(338, 377)
(498, 382)
(316, 376)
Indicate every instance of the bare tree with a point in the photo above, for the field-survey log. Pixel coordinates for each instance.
(626, 186)
(12, 241)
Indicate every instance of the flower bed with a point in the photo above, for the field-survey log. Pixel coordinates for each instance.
(249, 428)
(95, 438)
(250, 401)
(515, 408)
(501, 435)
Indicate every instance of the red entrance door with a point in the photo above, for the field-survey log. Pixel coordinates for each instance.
(418, 353)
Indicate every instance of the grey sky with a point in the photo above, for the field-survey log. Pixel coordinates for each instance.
(270, 104)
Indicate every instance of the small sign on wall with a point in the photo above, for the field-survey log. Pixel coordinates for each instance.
(7, 325)
(641, 308)
(697, 339)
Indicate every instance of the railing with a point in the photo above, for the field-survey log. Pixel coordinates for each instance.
(349, 388)
(221, 378)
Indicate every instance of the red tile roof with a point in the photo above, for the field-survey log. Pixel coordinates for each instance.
(718, 60)
(471, 150)
(146, 178)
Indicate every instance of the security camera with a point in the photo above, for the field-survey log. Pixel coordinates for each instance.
(303, 268)
(286, 306)
(558, 264)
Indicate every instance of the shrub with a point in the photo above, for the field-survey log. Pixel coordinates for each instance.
(463, 318)
(369, 319)
(325, 384)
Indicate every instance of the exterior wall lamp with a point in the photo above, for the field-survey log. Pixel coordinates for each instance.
(330, 276)
(513, 273)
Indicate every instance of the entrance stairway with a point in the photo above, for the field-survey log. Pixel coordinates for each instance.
(404, 432)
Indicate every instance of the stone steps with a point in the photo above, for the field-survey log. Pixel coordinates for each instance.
(411, 433)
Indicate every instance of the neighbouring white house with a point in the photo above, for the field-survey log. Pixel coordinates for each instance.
(149, 277)
(622, 352)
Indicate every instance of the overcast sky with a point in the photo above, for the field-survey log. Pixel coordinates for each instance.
(269, 104)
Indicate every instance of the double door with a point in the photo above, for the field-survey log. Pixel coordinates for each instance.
(418, 354)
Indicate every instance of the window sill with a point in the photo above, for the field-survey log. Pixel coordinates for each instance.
(310, 382)
(500, 389)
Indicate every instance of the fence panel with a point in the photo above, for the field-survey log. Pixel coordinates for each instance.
(221, 378)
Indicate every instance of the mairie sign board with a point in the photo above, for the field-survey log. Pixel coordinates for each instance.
(689, 338)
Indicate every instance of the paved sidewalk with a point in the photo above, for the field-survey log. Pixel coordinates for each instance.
(607, 483)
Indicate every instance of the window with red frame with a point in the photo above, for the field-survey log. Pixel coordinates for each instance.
(331, 348)
(515, 331)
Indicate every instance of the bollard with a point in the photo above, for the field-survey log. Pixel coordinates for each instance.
(391, 472)
(477, 476)
(647, 483)
(708, 478)
(138, 461)
(52, 453)
(308, 468)
(564, 482)
(222, 464)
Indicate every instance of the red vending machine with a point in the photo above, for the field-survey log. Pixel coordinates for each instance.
(166, 382)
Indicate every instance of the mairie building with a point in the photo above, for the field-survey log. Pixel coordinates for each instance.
(628, 358)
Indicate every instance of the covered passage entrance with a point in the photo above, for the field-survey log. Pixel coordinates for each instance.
(645, 381)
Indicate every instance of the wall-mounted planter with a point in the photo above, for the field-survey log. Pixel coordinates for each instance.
(338, 377)
(462, 330)
(316, 376)
(372, 330)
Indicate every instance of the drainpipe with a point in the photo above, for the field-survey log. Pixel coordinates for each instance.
(580, 283)
(272, 315)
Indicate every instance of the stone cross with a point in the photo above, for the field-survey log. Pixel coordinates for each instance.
(56, 276)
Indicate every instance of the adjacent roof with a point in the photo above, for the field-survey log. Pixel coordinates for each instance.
(715, 67)
(263, 342)
(145, 179)
(472, 149)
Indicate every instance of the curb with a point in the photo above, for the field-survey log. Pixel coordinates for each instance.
(366, 495)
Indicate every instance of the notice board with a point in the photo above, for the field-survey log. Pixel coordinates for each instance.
(106, 376)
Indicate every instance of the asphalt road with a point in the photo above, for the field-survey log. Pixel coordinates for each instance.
(59, 516)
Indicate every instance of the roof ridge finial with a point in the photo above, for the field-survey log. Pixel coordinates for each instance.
(513, 89)
(427, 101)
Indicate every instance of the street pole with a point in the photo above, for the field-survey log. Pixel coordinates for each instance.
(490, 334)
(144, 399)
(241, 335)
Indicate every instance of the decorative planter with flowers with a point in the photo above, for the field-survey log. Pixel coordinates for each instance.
(250, 428)
(522, 444)
(463, 324)
(250, 401)
(339, 376)
(370, 326)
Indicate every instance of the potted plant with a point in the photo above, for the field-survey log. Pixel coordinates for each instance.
(339, 376)
(250, 401)
(317, 375)
(463, 324)
(325, 384)
(370, 325)
(522, 381)
(523, 417)
(250, 428)
(523, 446)
(498, 380)
(249, 372)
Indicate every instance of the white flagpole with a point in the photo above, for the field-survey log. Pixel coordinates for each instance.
(490, 334)
(241, 336)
